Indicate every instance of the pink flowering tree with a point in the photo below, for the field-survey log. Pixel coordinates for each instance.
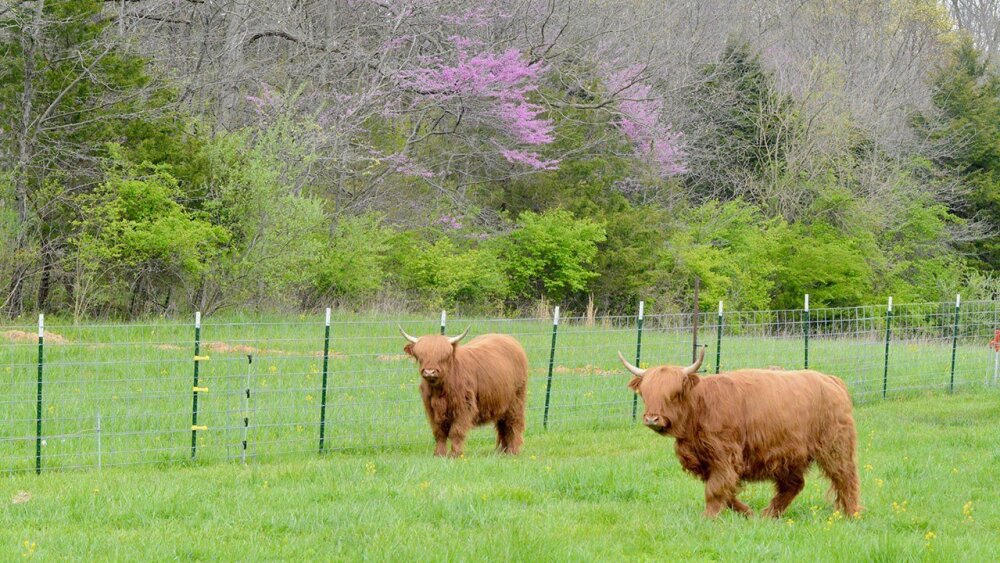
(641, 121)
(486, 92)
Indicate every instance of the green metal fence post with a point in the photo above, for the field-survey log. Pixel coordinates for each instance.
(552, 359)
(888, 336)
(322, 397)
(38, 396)
(718, 340)
(194, 387)
(246, 410)
(954, 343)
(805, 330)
(444, 319)
(638, 357)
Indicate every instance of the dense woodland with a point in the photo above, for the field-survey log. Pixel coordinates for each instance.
(165, 156)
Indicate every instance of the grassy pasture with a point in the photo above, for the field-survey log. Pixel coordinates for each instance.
(929, 468)
(138, 378)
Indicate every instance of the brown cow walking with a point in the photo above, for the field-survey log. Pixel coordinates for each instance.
(754, 425)
(481, 382)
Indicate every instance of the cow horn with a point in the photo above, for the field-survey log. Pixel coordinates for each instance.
(693, 368)
(635, 371)
(407, 336)
(455, 339)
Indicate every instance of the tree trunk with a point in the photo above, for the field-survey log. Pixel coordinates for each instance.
(45, 283)
(25, 151)
(232, 57)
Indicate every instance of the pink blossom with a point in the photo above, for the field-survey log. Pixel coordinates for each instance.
(266, 102)
(404, 165)
(522, 120)
(532, 159)
(640, 120)
(450, 222)
(501, 82)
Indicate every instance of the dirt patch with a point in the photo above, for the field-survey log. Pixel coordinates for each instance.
(21, 336)
(223, 348)
(585, 370)
(218, 347)
(21, 497)
(333, 355)
(391, 357)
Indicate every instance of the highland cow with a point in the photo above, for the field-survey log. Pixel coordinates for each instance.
(482, 382)
(753, 425)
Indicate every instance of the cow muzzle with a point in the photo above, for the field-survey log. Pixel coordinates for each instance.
(431, 375)
(656, 423)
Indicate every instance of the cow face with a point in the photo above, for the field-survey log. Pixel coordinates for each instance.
(664, 392)
(434, 355)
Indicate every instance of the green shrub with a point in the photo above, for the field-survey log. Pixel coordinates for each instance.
(832, 267)
(445, 275)
(350, 263)
(551, 254)
(136, 238)
(731, 247)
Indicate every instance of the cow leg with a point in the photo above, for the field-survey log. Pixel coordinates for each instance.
(838, 462)
(737, 505)
(845, 483)
(510, 434)
(720, 490)
(502, 431)
(457, 433)
(441, 440)
(788, 487)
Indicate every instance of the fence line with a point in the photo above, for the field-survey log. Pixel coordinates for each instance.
(123, 394)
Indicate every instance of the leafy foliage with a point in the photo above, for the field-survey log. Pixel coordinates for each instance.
(967, 96)
(447, 275)
(350, 264)
(447, 157)
(135, 233)
(551, 254)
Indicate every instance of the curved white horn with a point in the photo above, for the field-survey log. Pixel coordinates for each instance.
(407, 336)
(635, 371)
(693, 368)
(455, 339)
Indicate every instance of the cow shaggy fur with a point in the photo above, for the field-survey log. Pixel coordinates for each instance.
(462, 386)
(754, 425)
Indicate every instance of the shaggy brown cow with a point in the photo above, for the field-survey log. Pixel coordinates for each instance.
(753, 425)
(481, 382)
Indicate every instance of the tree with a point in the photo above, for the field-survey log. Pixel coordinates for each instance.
(135, 237)
(552, 254)
(69, 86)
(981, 20)
(967, 100)
(748, 128)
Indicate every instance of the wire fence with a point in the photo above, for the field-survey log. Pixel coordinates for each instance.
(171, 392)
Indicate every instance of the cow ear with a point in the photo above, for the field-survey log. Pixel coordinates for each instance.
(634, 384)
(690, 381)
(408, 349)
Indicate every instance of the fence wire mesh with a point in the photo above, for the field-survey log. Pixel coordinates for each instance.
(123, 394)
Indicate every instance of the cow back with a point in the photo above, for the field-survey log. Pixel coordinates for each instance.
(776, 419)
(497, 368)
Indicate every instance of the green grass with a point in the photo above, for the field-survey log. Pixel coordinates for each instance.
(929, 468)
(138, 377)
